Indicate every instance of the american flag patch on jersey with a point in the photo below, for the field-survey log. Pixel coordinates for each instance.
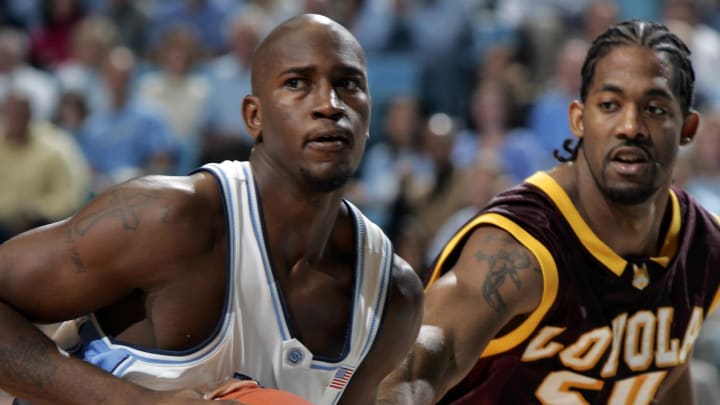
(342, 377)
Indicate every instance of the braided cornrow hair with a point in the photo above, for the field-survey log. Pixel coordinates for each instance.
(648, 34)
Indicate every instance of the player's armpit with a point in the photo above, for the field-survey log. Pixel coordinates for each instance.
(494, 280)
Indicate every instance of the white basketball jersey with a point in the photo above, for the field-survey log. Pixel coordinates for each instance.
(253, 338)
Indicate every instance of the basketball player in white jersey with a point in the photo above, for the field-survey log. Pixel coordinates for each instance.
(253, 269)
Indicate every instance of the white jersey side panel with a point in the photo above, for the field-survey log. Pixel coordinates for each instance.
(253, 338)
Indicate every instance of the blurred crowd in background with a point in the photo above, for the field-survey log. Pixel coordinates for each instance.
(469, 97)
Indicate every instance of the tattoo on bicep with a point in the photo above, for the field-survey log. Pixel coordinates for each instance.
(122, 207)
(79, 266)
(25, 362)
(502, 265)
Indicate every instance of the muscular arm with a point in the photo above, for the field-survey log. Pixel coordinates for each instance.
(494, 280)
(124, 240)
(399, 328)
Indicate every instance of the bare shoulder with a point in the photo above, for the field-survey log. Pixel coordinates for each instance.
(405, 307)
(406, 283)
(162, 200)
(405, 301)
(181, 193)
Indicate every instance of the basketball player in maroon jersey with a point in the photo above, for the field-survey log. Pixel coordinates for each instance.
(589, 283)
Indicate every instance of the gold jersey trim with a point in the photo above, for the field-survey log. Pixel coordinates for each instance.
(601, 251)
(548, 269)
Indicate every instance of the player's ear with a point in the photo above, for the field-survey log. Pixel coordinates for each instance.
(252, 115)
(575, 112)
(690, 127)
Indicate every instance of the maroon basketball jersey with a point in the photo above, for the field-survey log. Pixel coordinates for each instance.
(607, 330)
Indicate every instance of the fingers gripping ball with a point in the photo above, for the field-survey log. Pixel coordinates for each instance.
(265, 396)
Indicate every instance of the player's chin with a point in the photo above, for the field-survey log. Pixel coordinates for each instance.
(629, 193)
(327, 178)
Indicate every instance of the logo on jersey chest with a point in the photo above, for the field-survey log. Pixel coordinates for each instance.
(638, 341)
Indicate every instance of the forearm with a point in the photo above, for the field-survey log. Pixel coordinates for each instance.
(397, 390)
(32, 368)
(411, 383)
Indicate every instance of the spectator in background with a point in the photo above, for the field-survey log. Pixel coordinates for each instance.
(446, 193)
(275, 11)
(15, 73)
(493, 129)
(446, 54)
(704, 159)
(682, 17)
(71, 112)
(50, 41)
(131, 23)
(541, 28)
(224, 135)
(548, 115)
(499, 66)
(392, 165)
(92, 39)
(596, 17)
(125, 140)
(205, 17)
(487, 178)
(44, 175)
(371, 21)
(177, 92)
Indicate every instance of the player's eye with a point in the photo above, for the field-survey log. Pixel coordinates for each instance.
(607, 105)
(349, 84)
(293, 83)
(655, 110)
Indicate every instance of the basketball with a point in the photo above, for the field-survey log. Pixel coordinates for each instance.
(266, 396)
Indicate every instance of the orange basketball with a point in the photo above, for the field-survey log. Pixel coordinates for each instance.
(266, 396)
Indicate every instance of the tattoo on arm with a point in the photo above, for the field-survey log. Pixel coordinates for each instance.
(503, 265)
(122, 207)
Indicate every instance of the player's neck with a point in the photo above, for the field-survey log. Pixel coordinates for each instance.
(298, 224)
(629, 230)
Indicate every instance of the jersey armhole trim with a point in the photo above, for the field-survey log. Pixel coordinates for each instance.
(548, 268)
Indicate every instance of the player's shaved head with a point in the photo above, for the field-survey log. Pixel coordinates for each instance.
(302, 26)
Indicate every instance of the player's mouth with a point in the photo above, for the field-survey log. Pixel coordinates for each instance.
(330, 141)
(630, 160)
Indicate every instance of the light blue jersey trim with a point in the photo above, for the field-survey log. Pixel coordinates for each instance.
(382, 295)
(259, 233)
